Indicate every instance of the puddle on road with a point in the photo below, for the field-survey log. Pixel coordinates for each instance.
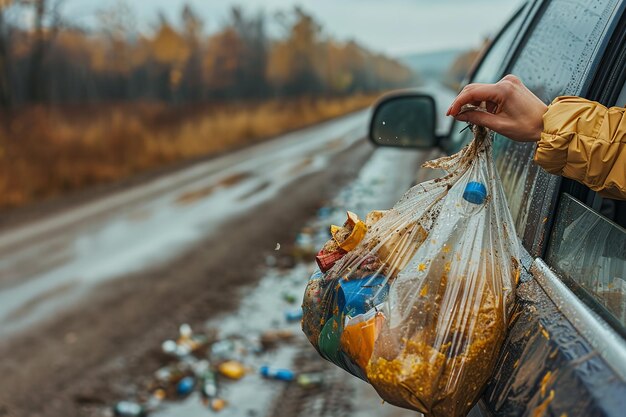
(259, 188)
(20, 268)
(139, 215)
(35, 303)
(195, 195)
(334, 144)
(304, 164)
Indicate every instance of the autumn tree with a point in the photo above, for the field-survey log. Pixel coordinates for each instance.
(191, 86)
(222, 62)
(295, 62)
(57, 60)
(251, 30)
(170, 52)
(236, 57)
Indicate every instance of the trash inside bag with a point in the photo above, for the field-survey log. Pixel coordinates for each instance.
(415, 300)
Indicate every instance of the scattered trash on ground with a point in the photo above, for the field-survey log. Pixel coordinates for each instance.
(256, 361)
(198, 364)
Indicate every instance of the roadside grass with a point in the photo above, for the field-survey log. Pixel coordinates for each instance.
(48, 151)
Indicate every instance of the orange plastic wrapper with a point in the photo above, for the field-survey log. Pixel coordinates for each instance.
(358, 338)
(418, 307)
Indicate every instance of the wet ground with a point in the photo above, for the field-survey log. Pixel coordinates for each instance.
(88, 295)
(49, 263)
(264, 307)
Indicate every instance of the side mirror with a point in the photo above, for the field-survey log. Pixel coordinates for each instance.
(405, 120)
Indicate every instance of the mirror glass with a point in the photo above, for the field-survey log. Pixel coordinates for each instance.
(404, 121)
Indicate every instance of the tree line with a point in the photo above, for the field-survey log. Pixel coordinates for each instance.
(52, 60)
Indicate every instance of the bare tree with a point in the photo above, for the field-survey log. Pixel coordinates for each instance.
(118, 26)
(191, 87)
(5, 64)
(47, 23)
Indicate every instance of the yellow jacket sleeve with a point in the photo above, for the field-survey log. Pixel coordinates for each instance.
(585, 141)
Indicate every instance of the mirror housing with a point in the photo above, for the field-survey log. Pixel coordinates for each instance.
(405, 119)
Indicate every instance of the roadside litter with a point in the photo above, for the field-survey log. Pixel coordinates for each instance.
(197, 362)
(415, 300)
(270, 339)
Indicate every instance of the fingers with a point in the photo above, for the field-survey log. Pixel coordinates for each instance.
(473, 93)
(488, 120)
(492, 107)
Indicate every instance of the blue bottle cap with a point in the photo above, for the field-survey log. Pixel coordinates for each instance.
(475, 192)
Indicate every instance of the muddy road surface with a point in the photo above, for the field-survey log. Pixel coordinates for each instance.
(88, 294)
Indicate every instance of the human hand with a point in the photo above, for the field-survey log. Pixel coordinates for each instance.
(512, 109)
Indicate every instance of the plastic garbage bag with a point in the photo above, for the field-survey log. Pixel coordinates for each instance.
(417, 302)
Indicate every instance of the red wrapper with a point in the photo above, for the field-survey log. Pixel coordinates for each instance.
(326, 260)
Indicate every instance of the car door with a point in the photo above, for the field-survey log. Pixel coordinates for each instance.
(565, 354)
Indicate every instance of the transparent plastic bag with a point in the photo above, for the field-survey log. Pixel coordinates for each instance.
(419, 306)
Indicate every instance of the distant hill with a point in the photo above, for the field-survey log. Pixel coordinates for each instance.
(432, 65)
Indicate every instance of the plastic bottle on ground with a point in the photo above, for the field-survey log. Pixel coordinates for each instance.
(185, 386)
(277, 373)
(293, 315)
(209, 384)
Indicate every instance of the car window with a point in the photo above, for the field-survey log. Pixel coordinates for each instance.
(492, 65)
(555, 60)
(589, 252)
(489, 71)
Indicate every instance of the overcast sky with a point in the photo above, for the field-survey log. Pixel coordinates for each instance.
(394, 27)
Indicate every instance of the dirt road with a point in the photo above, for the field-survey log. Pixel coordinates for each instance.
(87, 295)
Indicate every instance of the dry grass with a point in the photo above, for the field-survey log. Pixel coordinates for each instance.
(45, 152)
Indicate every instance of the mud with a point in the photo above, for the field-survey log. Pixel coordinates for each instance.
(92, 353)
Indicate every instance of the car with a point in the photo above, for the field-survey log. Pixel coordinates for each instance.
(565, 352)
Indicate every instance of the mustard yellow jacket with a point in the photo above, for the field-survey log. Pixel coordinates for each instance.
(585, 141)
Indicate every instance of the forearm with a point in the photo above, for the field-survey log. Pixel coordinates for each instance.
(585, 141)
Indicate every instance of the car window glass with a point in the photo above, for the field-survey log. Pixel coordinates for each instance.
(589, 252)
(489, 71)
(491, 66)
(552, 62)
